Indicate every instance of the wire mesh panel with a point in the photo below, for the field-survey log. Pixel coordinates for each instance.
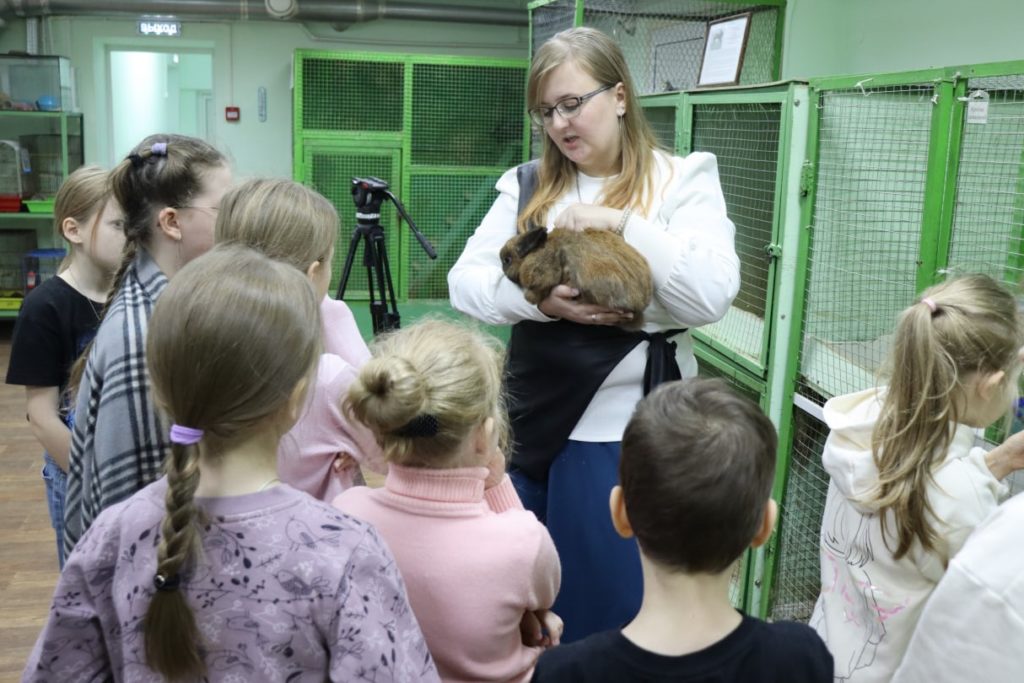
(14, 244)
(988, 217)
(663, 40)
(467, 115)
(711, 367)
(873, 157)
(745, 139)
(548, 20)
(663, 124)
(797, 576)
(341, 94)
(331, 175)
(447, 209)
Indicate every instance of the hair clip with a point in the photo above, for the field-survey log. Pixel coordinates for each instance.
(421, 425)
(167, 583)
(136, 160)
(159, 149)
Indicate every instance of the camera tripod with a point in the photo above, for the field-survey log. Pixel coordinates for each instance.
(368, 194)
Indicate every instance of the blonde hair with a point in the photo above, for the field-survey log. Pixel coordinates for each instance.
(82, 196)
(280, 218)
(221, 301)
(974, 328)
(600, 57)
(433, 369)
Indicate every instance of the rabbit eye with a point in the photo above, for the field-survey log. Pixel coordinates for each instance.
(507, 260)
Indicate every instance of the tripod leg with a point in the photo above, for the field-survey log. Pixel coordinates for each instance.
(389, 318)
(353, 244)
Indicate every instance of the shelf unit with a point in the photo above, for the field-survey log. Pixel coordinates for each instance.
(53, 141)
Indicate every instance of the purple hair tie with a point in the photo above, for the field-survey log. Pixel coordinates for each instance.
(186, 436)
(159, 149)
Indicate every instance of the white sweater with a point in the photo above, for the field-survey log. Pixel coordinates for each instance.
(973, 625)
(685, 236)
(870, 602)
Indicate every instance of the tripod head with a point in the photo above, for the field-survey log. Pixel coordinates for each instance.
(369, 194)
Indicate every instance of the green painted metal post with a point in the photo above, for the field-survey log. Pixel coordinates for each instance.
(787, 373)
(940, 182)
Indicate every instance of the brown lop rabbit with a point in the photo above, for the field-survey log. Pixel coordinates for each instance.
(599, 263)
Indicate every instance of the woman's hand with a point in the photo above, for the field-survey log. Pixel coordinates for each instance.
(562, 303)
(580, 216)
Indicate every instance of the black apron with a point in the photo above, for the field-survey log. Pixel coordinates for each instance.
(555, 368)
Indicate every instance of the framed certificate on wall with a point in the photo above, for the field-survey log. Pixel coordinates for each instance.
(724, 45)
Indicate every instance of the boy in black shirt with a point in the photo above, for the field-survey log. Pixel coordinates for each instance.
(696, 474)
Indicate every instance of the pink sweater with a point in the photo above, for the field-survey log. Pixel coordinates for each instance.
(307, 452)
(473, 563)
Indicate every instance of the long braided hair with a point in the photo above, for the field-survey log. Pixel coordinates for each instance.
(229, 299)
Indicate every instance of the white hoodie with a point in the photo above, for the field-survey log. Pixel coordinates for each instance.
(870, 602)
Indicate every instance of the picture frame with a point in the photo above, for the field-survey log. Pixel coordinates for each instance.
(725, 44)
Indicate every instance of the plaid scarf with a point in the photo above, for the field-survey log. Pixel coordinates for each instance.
(119, 440)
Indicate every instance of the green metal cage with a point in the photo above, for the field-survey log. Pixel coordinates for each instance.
(902, 187)
(439, 130)
(663, 40)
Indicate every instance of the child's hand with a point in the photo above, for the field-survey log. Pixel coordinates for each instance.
(541, 628)
(343, 461)
(1007, 457)
(496, 469)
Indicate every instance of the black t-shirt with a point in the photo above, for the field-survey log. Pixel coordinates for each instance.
(55, 324)
(756, 652)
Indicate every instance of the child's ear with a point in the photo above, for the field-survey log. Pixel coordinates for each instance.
(71, 230)
(771, 513)
(485, 441)
(620, 520)
(296, 403)
(990, 383)
(314, 269)
(530, 241)
(167, 221)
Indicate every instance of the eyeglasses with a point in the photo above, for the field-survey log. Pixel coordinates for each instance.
(215, 209)
(567, 108)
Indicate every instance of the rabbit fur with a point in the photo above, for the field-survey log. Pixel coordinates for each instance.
(599, 263)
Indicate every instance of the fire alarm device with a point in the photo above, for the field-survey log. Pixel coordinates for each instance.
(232, 113)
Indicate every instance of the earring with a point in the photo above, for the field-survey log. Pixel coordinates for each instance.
(622, 112)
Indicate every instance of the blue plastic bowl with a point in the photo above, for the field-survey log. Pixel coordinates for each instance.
(48, 103)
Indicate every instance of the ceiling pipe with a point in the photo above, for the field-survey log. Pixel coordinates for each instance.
(339, 13)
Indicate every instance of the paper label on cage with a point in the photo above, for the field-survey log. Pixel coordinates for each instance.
(977, 107)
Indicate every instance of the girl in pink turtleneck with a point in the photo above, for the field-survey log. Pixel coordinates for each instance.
(480, 570)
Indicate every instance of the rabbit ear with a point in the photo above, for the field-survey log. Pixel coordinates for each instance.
(531, 241)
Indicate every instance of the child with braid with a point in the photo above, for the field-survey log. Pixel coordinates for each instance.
(170, 189)
(219, 572)
(482, 571)
(322, 453)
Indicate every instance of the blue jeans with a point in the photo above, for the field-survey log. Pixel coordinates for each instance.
(56, 481)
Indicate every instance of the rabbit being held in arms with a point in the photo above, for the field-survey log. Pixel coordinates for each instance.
(599, 263)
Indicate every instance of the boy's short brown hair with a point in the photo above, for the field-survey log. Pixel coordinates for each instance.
(697, 467)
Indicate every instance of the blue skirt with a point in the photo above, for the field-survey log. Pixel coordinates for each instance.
(602, 584)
